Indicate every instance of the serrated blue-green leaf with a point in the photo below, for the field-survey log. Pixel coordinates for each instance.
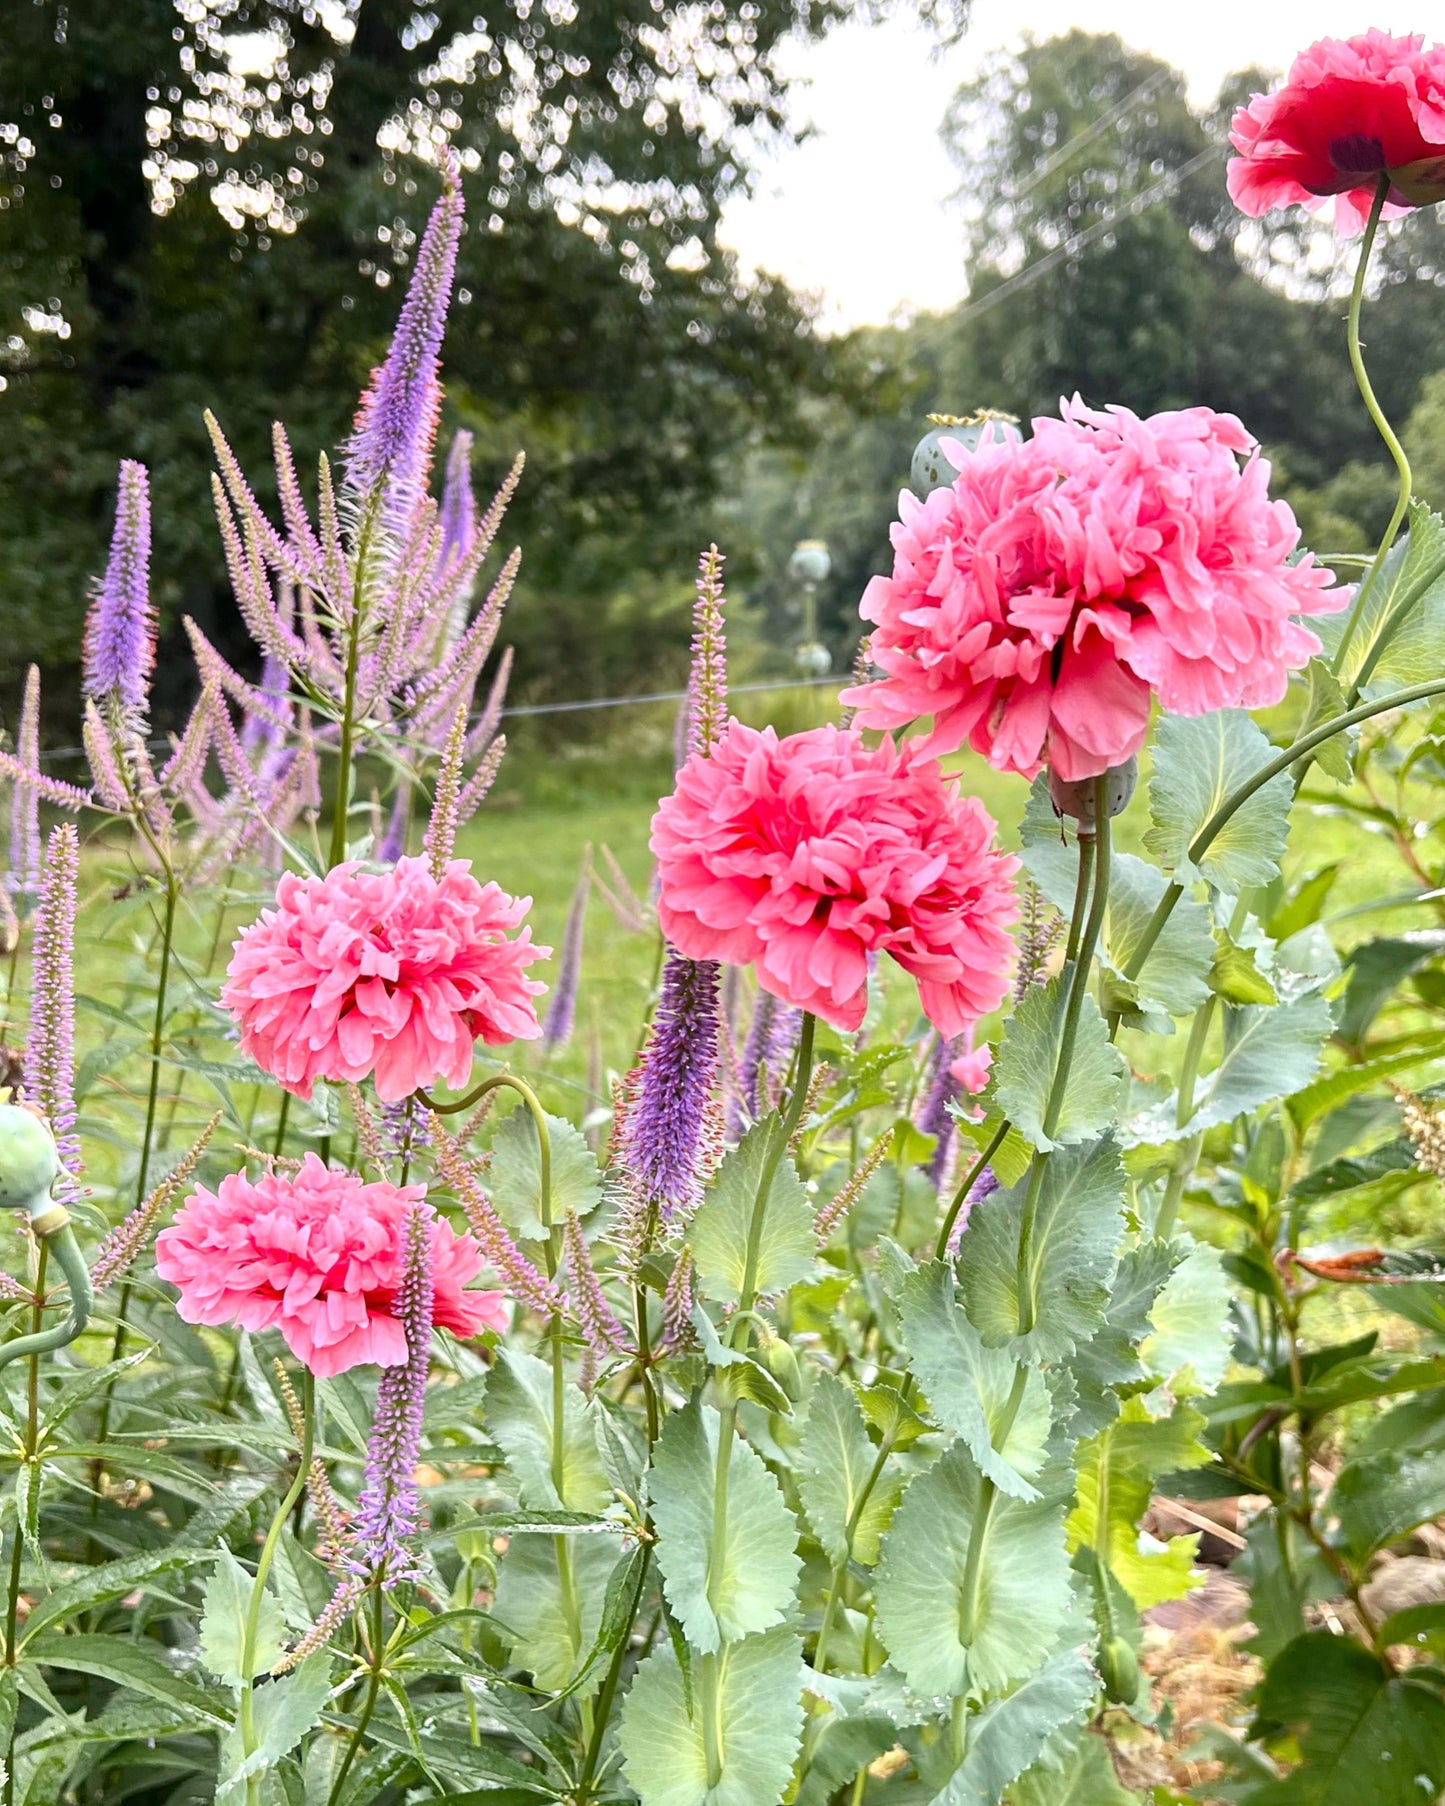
(224, 1607)
(1175, 974)
(550, 1595)
(1028, 1055)
(1269, 1052)
(1083, 1777)
(734, 1230)
(515, 1173)
(1077, 1225)
(723, 1584)
(754, 1697)
(519, 1417)
(285, 1710)
(1189, 1324)
(951, 1628)
(835, 1460)
(970, 1387)
(1010, 1734)
(1198, 761)
(1400, 638)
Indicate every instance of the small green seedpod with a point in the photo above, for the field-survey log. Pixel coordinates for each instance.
(782, 1363)
(1118, 1669)
(29, 1162)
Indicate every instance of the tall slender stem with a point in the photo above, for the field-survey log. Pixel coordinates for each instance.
(1084, 944)
(32, 1434)
(1081, 894)
(122, 1307)
(1189, 1150)
(1382, 425)
(710, 1672)
(346, 747)
(263, 1569)
(850, 1530)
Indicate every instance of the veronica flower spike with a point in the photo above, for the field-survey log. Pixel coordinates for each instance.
(389, 453)
(119, 652)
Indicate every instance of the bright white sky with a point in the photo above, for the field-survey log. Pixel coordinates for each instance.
(861, 213)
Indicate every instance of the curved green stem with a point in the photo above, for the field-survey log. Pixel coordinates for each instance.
(1240, 795)
(1081, 897)
(1189, 1150)
(850, 1530)
(263, 1570)
(62, 1243)
(1087, 943)
(1382, 426)
(970, 1180)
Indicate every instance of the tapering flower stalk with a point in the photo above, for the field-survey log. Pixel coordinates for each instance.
(117, 1253)
(119, 650)
(562, 1010)
(518, 1275)
(389, 453)
(669, 1123)
(25, 799)
(933, 1116)
(670, 1120)
(767, 1049)
(50, 1052)
(334, 1539)
(848, 1194)
(601, 1331)
(388, 1512)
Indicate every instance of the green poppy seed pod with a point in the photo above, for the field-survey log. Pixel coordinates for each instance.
(1118, 1669)
(931, 467)
(29, 1163)
(810, 562)
(782, 1363)
(1076, 797)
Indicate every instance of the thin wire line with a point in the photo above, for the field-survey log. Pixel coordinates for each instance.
(1162, 190)
(582, 706)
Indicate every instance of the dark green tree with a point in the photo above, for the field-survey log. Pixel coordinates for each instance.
(201, 207)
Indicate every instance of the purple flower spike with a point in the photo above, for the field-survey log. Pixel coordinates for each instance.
(670, 1129)
(459, 505)
(767, 1051)
(390, 449)
(389, 1509)
(24, 874)
(120, 629)
(984, 1186)
(50, 1052)
(562, 1011)
(933, 1116)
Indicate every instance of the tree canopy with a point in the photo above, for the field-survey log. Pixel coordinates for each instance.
(217, 207)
